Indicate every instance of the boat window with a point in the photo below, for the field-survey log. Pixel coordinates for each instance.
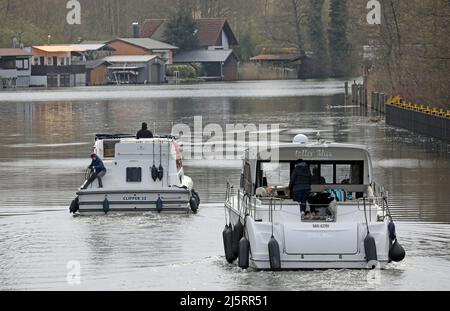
(248, 184)
(134, 174)
(327, 172)
(276, 174)
(337, 172)
(109, 148)
(343, 172)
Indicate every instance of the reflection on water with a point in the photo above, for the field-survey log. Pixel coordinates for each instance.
(44, 148)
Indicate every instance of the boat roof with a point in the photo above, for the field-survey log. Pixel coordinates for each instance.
(130, 137)
(314, 151)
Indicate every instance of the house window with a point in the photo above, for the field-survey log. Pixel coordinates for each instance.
(52, 80)
(64, 80)
(62, 60)
(35, 60)
(7, 63)
(19, 64)
(67, 61)
(22, 64)
(134, 174)
(49, 61)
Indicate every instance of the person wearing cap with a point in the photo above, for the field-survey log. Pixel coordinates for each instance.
(144, 132)
(98, 171)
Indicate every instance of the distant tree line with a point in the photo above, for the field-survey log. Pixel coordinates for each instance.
(411, 45)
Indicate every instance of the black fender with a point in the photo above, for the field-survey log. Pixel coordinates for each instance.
(74, 206)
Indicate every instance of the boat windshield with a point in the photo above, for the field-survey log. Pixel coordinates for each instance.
(276, 174)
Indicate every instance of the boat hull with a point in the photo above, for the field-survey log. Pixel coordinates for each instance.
(138, 201)
(341, 252)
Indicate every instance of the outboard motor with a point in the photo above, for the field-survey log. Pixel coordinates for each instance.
(227, 243)
(244, 253)
(238, 233)
(274, 254)
(106, 205)
(371, 251)
(74, 206)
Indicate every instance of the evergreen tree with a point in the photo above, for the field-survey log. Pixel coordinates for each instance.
(318, 42)
(337, 38)
(182, 31)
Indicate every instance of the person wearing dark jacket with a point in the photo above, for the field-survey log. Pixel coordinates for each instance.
(144, 132)
(98, 171)
(316, 178)
(300, 184)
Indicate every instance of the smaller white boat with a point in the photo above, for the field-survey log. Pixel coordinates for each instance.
(351, 226)
(142, 175)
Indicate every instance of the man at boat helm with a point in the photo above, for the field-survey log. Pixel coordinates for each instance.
(144, 132)
(98, 171)
(300, 185)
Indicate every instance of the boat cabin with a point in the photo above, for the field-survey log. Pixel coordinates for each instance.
(343, 167)
(129, 161)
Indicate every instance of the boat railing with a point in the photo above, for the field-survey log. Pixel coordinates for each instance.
(120, 136)
(249, 205)
(374, 204)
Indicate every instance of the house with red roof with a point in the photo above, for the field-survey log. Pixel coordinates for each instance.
(215, 51)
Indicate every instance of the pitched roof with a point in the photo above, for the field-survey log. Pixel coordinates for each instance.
(150, 26)
(209, 30)
(57, 48)
(92, 64)
(14, 52)
(130, 58)
(147, 43)
(93, 42)
(277, 57)
(203, 56)
(94, 47)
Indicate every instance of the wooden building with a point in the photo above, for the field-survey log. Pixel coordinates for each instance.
(52, 67)
(143, 46)
(215, 48)
(136, 69)
(97, 72)
(216, 64)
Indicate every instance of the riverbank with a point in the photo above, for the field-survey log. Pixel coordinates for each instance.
(274, 88)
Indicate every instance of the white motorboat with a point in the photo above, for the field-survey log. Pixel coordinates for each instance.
(142, 175)
(350, 226)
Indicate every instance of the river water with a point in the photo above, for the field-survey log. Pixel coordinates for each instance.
(45, 140)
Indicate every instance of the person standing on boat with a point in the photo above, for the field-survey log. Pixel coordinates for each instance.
(300, 185)
(316, 178)
(98, 171)
(144, 132)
